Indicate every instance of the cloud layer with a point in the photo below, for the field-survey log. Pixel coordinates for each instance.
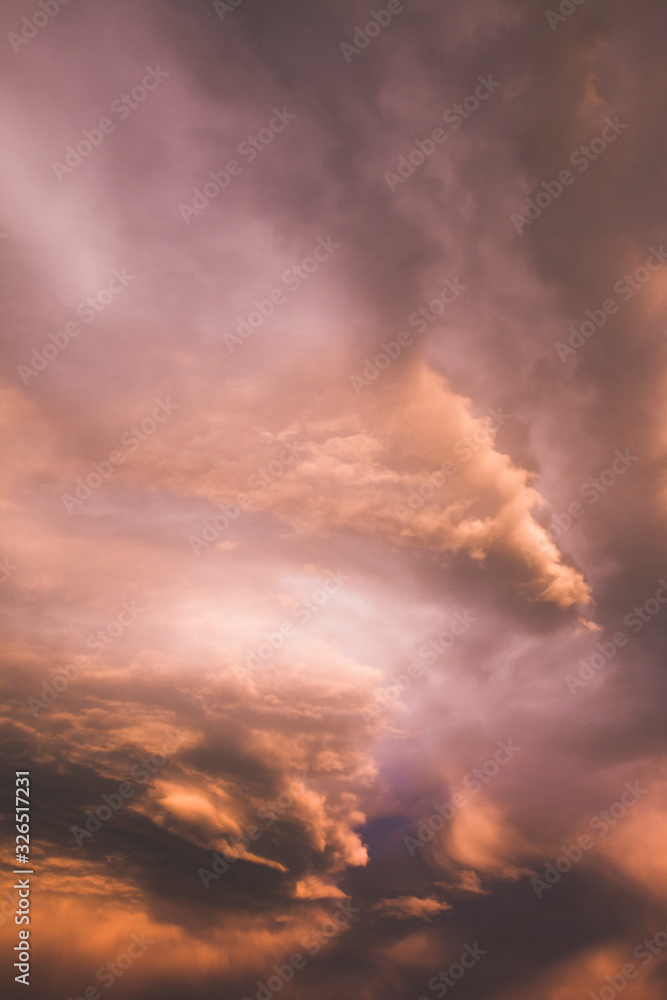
(334, 437)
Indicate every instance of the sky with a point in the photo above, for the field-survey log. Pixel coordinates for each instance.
(335, 554)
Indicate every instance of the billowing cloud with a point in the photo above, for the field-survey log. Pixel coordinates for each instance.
(334, 428)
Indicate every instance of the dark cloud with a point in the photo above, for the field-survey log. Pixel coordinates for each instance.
(233, 314)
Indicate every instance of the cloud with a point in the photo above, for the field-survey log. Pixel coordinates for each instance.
(408, 907)
(267, 683)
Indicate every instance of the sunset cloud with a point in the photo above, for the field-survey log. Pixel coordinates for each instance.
(313, 498)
